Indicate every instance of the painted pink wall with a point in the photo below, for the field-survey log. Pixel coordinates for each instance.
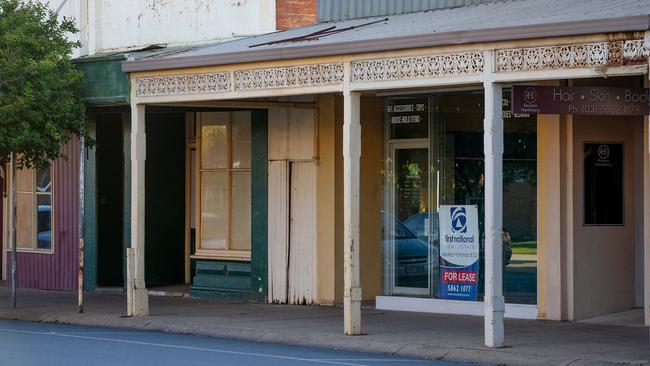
(56, 271)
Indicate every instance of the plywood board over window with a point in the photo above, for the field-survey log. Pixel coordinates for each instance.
(224, 186)
(34, 207)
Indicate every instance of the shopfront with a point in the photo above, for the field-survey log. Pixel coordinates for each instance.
(403, 148)
(434, 157)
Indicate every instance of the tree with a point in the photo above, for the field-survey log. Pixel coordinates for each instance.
(41, 105)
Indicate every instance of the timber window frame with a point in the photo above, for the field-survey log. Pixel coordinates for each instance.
(32, 194)
(223, 186)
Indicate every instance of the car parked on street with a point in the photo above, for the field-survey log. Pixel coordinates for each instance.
(418, 225)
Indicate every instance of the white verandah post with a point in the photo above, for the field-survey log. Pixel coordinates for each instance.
(351, 183)
(137, 297)
(493, 150)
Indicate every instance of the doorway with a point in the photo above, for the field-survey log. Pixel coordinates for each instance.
(408, 251)
(165, 198)
(110, 156)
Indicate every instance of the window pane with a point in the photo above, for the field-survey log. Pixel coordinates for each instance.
(213, 210)
(25, 180)
(44, 221)
(25, 220)
(214, 139)
(241, 140)
(240, 211)
(43, 180)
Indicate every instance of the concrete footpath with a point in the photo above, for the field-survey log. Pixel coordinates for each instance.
(445, 337)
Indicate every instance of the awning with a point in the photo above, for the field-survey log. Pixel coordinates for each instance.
(104, 81)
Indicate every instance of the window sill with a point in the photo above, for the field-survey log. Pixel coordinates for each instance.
(32, 251)
(228, 255)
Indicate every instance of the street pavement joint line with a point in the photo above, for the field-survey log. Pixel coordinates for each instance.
(163, 345)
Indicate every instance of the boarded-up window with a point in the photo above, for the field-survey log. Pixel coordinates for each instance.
(34, 222)
(224, 182)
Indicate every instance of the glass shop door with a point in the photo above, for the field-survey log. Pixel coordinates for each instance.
(406, 222)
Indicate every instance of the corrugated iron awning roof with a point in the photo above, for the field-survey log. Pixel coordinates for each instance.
(507, 20)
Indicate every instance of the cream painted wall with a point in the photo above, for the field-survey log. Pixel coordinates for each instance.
(326, 200)
(331, 160)
(603, 260)
(119, 24)
(372, 148)
(549, 243)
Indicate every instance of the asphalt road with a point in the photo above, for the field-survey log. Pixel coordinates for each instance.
(32, 344)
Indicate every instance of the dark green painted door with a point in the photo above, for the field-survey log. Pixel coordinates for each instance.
(110, 251)
(165, 199)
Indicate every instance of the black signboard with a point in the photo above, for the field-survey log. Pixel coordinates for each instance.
(580, 100)
(603, 173)
(407, 117)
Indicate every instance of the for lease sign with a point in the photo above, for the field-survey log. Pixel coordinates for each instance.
(459, 252)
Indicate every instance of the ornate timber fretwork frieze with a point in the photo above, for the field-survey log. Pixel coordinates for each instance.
(244, 80)
(614, 53)
(152, 86)
(416, 67)
(289, 77)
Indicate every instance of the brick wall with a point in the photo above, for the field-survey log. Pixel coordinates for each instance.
(294, 13)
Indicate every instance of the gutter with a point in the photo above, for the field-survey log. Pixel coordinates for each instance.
(559, 29)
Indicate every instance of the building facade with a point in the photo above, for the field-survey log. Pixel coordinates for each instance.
(328, 164)
(111, 32)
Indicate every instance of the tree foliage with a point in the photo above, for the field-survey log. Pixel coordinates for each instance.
(41, 105)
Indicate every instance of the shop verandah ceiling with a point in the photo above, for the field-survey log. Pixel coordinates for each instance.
(499, 21)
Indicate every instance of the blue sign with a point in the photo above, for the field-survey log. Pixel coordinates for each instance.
(459, 252)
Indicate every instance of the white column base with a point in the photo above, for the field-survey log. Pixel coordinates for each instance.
(352, 307)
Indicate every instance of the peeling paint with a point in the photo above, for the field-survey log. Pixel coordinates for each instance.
(123, 25)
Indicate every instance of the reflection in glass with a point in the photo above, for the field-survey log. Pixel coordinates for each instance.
(240, 211)
(241, 140)
(214, 139)
(213, 210)
(43, 180)
(409, 266)
(44, 221)
(454, 162)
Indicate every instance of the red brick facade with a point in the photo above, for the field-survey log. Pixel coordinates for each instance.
(294, 13)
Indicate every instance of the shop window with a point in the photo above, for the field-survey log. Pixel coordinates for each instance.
(34, 221)
(224, 182)
(434, 156)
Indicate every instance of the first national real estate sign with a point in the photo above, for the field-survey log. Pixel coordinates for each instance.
(606, 101)
(459, 252)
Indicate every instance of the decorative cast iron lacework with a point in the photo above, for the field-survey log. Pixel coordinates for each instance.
(216, 82)
(289, 77)
(616, 53)
(469, 63)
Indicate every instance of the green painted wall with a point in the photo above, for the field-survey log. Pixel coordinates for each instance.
(222, 280)
(104, 81)
(90, 217)
(259, 202)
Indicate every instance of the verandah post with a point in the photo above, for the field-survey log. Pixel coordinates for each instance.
(493, 150)
(137, 296)
(351, 182)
